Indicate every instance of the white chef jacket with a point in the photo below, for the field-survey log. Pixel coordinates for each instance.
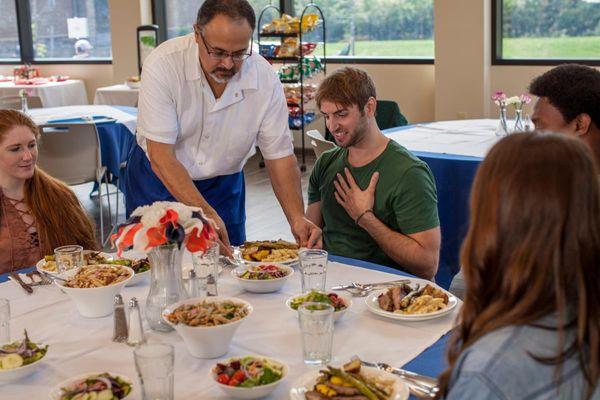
(211, 137)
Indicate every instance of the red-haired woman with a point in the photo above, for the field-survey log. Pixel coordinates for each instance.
(37, 212)
(530, 324)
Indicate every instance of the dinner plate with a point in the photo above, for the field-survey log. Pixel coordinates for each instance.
(307, 381)
(289, 263)
(40, 264)
(373, 305)
(56, 392)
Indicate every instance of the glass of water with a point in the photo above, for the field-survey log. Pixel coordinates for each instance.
(206, 266)
(316, 327)
(313, 269)
(155, 363)
(68, 257)
(4, 321)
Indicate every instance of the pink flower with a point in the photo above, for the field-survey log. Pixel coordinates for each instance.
(498, 96)
(525, 98)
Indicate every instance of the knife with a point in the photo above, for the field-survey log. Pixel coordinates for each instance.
(18, 279)
(370, 285)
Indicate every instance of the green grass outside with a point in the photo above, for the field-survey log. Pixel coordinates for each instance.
(563, 47)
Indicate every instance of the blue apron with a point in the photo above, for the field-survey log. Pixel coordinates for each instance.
(226, 193)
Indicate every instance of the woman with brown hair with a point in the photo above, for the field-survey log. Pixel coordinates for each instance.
(37, 212)
(530, 323)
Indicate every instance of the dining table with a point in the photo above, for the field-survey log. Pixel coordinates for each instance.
(69, 92)
(115, 125)
(453, 151)
(78, 345)
(117, 95)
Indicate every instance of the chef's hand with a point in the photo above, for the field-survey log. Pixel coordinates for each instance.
(219, 225)
(307, 234)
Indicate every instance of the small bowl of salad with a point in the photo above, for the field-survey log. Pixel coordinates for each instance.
(249, 377)
(98, 386)
(262, 278)
(340, 303)
(20, 358)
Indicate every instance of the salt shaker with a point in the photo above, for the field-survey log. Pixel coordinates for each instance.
(136, 331)
(120, 322)
(211, 285)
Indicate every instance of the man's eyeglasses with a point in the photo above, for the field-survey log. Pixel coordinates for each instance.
(221, 55)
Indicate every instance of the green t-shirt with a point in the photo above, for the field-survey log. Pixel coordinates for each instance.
(405, 200)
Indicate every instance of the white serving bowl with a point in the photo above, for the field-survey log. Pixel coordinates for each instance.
(9, 375)
(136, 279)
(256, 392)
(207, 341)
(133, 85)
(336, 314)
(56, 392)
(95, 302)
(262, 286)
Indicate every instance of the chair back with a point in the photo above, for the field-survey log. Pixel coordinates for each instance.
(319, 143)
(388, 115)
(70, 152)
(14, 102)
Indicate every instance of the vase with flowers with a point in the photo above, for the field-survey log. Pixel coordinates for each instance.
(500, 99)
(162, 230)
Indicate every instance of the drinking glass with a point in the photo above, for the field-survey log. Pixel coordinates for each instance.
(154, 363)
(313, 269)
(4, 321)
(316, 327)
(68, 257)
(206, 266)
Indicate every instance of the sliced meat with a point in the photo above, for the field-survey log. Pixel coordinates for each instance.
(314, 395)
(397, 296)
(344, 390)
(385, 301)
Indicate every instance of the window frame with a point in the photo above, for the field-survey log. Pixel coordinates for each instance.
(498, 37)
(159, 17)
(26, 53)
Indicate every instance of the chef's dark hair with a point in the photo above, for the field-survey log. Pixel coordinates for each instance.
(234, 9)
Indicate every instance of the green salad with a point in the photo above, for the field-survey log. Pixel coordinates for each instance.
(20, 353)
(97, 387)
(315, 296)
(248, 372)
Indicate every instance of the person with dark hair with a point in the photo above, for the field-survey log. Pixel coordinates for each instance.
(206, 100)
(529, 327)
(374, 200)
(569, 102)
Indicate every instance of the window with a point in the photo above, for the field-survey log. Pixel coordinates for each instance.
(542, 30)
(181, 15)
(9, 32)
(70, 29)
(377, 28)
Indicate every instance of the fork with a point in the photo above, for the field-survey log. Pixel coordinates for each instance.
(420, 385)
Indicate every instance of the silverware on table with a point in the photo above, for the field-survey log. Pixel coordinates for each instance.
(15, 276)
(370, 286)
(420, 385)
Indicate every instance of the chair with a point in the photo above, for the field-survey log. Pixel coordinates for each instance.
(319, 143)
(14, 102)
(71, 152)
(387, 115)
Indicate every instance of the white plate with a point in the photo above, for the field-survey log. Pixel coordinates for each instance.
(373, 305)
(40, 264)
(307, 381)
(288, 263)
(55, 394)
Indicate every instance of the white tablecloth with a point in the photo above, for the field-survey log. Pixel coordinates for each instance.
(43, 115)
(465, 137)
(117, 95)
(79, 345)
(52, 94)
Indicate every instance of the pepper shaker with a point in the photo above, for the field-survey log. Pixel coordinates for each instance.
(136, 331)
(120, 322)
(211, 285)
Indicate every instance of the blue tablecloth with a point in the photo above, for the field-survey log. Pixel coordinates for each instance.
(453, 178)
(115, 142)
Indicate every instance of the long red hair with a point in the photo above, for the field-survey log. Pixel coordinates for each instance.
(59, 216)
(533, 248)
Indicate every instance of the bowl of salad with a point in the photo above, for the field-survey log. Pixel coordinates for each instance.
(262, 278)
(20, 358)
(98, 386)
(339, 302)
(249, 377)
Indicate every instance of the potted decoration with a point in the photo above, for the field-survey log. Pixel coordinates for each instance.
(162, 230)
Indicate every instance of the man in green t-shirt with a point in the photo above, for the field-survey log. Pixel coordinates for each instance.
(374, 200)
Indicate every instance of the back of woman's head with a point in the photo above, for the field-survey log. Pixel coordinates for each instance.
(59, 217)
(533, 245)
